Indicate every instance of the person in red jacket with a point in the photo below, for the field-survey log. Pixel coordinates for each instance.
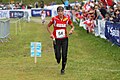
(60, 36)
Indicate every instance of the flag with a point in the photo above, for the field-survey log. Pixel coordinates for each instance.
(104, 2)
(109, 2)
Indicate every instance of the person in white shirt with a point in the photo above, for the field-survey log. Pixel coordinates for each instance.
(43, 15)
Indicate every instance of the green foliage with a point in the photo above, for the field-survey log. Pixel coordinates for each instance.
(89, 57)
(33, 1)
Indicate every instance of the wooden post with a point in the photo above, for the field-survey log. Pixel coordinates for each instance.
(16, 28)
(35, 55)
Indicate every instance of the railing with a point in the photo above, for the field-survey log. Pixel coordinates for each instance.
(4, 29)
(18, 24)
(106, 30)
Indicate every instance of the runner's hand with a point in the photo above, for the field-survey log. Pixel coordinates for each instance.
(52, 36)
(70, 32)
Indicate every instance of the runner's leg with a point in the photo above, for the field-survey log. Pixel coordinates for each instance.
(57, 50)
(64, 52)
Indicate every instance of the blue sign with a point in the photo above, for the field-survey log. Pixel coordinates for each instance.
(16, 14)
(112, 32)
(36, 49)
(37, 12)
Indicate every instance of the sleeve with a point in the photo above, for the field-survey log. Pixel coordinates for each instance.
(52, 21)
(69, 22)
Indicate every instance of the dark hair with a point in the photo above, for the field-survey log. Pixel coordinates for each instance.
(111, 7)
(60, 8)
(116, 11)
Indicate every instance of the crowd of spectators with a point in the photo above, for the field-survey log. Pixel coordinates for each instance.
(17, 5)
(91, 11)
(21, 5)
(87, 11)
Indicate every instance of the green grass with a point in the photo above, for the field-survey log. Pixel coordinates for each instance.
(89, 57)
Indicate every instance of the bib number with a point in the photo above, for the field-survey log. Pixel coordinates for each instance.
(60, 33)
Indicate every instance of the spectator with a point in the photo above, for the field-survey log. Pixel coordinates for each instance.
(77, 3)
(36, 4)
(90, 22)
(111, 10)
(42, 4)
(23, 6)
(43, 15)
(107, 17)
(117, 16)
(103, 11)
(66, 4)
(53, 3)
(30, 6)
(98, 14)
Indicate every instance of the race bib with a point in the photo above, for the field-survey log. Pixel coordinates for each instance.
(60, 33)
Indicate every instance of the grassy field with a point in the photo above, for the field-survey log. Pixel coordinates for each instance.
(89, 57)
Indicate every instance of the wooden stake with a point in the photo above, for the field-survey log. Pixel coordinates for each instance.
(35, 55)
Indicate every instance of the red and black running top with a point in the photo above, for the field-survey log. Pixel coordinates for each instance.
(60, 26)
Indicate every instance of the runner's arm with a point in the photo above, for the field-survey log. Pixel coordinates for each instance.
(48, 28)
(72, 28)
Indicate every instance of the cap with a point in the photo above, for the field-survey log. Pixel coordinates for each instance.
(60, 8)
